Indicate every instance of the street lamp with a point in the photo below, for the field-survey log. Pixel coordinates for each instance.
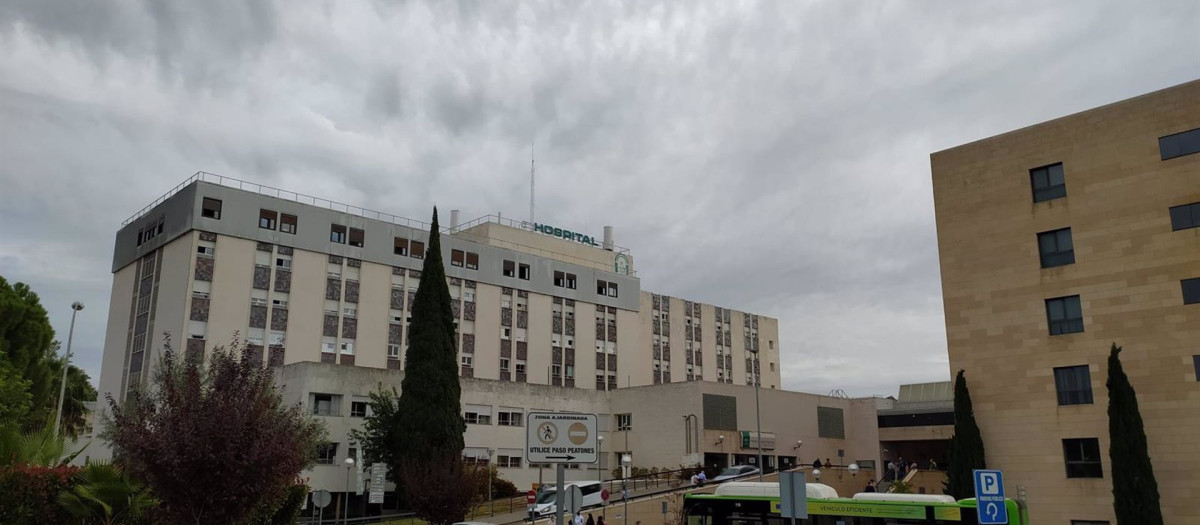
(757, 416)
(491, 502)
(626, 460)
(62, 392)
(349, 466)
(600, 465)
(817, 474)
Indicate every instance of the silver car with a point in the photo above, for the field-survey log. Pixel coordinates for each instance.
(736, 471)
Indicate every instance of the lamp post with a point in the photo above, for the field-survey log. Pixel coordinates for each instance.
(349, 467)
(600, 464)
(491, 501)
(62, 391)
(757, 415)
(626, 460)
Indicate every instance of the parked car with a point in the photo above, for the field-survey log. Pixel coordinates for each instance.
(590, 490)
(736, 471)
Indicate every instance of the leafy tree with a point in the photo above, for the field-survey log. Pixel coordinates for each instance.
(966, 445)
(106, 495)
(14, 397)
(27, 346)
(79, 392)
(212, 443)
(379, 435)
(443, 492)
(1135, 491)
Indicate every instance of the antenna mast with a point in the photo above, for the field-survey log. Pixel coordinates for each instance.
(531, 183)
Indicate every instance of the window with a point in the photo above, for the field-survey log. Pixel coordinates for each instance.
(400, 247)
(287, 223)
(416, 250)
(510, 418)
(456, 258)
(1074, 385)
(601, 287)
(1056, 248)
(504, 364)
(523, 272)
(520, 368)
(571, 281)
(283, 263)
(1082, 456)
(560, 279)
(1185, 216)
(350, 311)
(478, 415)
(210, 208)
(326, 404)
(472, 261)
(348, 347)
(505, 333)
(510, 269)
(358, 409)
(1048, 182)
(328, 347)
(1191, 290)
(267, 219)
(206, 251)
(1179, 144)
(393, 351)
(624, 421)
(1196, 365)
(467, 360)
(337, 233)
(1065, 315)
(356, 237)
(612, 289)
(508, 461)
(327, 454)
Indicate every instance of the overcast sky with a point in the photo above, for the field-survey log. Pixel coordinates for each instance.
(767, 157)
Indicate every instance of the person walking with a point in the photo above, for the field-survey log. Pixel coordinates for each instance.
(932, 464)
(828, 464)
(578, 520)
(591, 520)
(817, 463)
(600, 521)
(870, 486)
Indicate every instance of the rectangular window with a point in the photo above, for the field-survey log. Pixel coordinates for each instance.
(612, 289)
(1064, 315)
(326, 404)
(510, 418)
(1048, 182)
(416, 250)
(356, 237)
(601, 287)
(509, 462)
(1196, 365)
(1056, 248)
(510, 269)
(624, 421)
(358, 409)
(570, 281)
(456, 258)
(560, 279)
(472, 261)
(478, 415)
(1074, 385)
(283, 263)
(400, 247)
(348, 347)
(266, 219)
(523, 272)
(1191, 290)
(337, 233)
(393, 352)
(1179, 144)
(520, 368)
(327, 454)
(287, 223)
(1082, 457)
(1185, 216)
(504, 364)
(211, 208)
(467, 360)
(206, 251)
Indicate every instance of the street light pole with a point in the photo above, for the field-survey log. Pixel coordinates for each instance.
(62, 391)
(349, 465)
(758, 415)
(491, 501)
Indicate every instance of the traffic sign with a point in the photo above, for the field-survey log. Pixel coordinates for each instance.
(560, 438)
(321, 498)
(531, 497)
(604, 495)
(378, 480)
(793, 495)
(989, 497)
(572, 499)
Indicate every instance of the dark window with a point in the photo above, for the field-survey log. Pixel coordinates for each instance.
(456, 258)
(416, 250)
(400, 247)
(327, 454)
(1074, 385)
(1056, 248)
(211, 208)
(510, 269)
(601, 287)
(356, 237)
(287, 223)
(266, 219)
(1082, 457)
(1179, 144)
(1186, 216)
(612, 289)
(831, 423)
(1065, 315)
(358, 409)
(1048, 182)
(523, 272)
(560, 278)
(915, 420)
(337, 233)
(571, 281)
(472, 261)
(1196, 365)
(1191, 290)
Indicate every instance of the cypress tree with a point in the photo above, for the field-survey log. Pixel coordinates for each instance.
(429, 415)
(1135, 491)
(966, 445)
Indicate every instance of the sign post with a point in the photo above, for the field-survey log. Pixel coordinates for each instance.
(989, 497)
(561, 438)
(793, 496)
(378, 480)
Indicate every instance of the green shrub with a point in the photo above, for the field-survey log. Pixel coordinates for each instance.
(30, 494)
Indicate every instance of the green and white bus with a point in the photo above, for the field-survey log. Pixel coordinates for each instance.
(748, 503)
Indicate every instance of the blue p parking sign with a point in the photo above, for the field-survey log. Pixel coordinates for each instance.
(989, 496)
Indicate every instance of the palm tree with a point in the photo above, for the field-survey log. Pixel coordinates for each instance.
(37, 447)
(106, 495)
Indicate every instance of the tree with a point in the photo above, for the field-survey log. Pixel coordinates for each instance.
(379, 434)
(443, 493)
(107, 495)
(214, 442)
(966, 445)
(40, 447)
(1135, 491)
(27, 347)
(14, 398)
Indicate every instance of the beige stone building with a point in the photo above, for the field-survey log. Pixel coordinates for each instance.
(1056, 241)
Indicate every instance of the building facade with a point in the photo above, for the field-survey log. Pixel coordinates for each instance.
(1057, 241)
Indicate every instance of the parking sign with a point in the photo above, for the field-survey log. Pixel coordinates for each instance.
(989, 496)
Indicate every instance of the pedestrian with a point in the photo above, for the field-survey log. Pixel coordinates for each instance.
(817, 463)
(932, 464)
(600, 521)
(578, 519)
(702, 478)
(695, 480)
(892, 469)
(901, 466)
(591, 520)
(870, 486)
(828, 464)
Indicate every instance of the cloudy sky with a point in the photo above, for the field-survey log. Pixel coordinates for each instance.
(769, 157)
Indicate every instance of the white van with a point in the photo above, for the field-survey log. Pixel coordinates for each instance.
(591, 496)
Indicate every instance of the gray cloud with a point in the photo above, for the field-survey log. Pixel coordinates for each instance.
(770, 157)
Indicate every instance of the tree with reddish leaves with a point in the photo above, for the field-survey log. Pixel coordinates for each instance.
(212, 441)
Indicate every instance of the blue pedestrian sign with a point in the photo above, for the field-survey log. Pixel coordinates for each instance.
(989, 496)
